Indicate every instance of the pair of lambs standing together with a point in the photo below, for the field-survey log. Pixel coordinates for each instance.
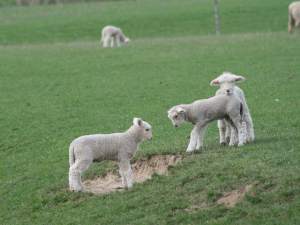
(228, 106)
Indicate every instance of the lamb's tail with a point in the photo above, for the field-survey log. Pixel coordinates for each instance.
(71, 155)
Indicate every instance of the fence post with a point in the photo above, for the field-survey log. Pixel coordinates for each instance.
(217, 18)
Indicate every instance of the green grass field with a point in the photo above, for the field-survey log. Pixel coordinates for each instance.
(58, 82)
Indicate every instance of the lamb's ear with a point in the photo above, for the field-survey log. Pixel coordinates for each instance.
(215, 82)
(239, 79)
(137, 121)
(180, 110)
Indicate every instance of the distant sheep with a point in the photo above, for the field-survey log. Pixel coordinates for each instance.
(227, 86)
(294, 16)
(120, 147)
(111, 33)
(202, 112)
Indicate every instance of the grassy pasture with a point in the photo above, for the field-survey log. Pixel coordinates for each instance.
(55, 91)
(139, 19)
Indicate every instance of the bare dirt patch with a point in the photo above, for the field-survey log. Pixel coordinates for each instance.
(142, 170)
(232, 197)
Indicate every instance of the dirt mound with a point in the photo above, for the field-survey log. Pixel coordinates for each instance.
(232, 197)
(142, 170)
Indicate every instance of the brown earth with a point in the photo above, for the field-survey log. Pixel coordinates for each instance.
(142, 170)
(232, 197)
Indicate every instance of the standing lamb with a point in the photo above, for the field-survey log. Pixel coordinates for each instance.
(294, 16)
(120, 147)
(114, 34)
(227, 86)
(202, 112)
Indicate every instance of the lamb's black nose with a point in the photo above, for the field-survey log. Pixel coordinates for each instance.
(176, 125)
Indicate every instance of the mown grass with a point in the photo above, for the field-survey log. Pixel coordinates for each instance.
(53, 93)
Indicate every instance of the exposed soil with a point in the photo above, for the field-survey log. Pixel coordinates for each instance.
(232, 197)
(142, 170)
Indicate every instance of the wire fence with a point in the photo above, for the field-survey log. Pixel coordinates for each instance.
(9, 3)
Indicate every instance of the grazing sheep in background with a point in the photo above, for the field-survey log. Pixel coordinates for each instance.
(202, 112)
(227, 86)
(294, 16)
(120, 147)
(114, 34)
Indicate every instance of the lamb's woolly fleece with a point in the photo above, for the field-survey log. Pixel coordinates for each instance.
(120, 147)
(114, 34)
(227, 86)
(202, 112)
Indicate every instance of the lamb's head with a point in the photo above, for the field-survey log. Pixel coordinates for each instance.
(176, 115)
(227, 82)
(145, 128)
(127, 41)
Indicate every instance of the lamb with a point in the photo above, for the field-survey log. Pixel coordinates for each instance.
(114, 34)
(120, 147)
(227, 86)
(294, 16)
(202, 112)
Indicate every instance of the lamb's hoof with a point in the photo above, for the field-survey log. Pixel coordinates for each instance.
(250, 139)
(223, 144)
(77, 191)
(127, 188)
(232, 144)
(227, 139)
(240, 144)
(190, 150)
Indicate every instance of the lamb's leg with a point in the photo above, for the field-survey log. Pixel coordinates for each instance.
(228, 133)
(106, 40)
(118, 40)
(200, 138)
(249, 125)
(196, 138)
(124, 181)
(291, 23)
(234, 136)
(222, 130)
(234, 132)
(193, 140)
(126, 174)
(242, 133)
(75, 175)
(238, 135)
(112, 42)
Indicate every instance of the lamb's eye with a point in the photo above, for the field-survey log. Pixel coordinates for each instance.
(147, 129)
(175, 117)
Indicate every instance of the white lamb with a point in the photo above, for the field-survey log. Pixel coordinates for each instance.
(202, 112)
(120, 147)
(294, 16)
(114, 34)
(227, 86)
